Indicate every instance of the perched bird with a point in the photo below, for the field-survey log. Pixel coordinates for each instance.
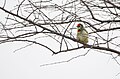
(82, 34)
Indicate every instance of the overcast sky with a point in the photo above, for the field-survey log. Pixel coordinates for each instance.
(25, 63)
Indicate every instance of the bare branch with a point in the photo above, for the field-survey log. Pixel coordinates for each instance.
(47, 20)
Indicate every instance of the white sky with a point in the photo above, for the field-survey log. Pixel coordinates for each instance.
(25, 64)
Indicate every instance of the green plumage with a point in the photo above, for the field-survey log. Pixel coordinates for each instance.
(82, 34)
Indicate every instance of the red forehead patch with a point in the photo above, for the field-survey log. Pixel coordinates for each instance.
(78, 25)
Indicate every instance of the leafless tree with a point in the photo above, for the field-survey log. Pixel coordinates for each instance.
(38, 20)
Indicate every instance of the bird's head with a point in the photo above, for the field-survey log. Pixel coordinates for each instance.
(79, 27)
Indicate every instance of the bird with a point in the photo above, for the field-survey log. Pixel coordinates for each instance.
(82, 34)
